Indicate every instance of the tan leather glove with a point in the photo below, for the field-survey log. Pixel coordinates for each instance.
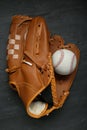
(31, 73)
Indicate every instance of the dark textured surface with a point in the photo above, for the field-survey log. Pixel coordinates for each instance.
(66, 18)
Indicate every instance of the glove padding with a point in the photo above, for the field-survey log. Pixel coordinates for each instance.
(30, 68)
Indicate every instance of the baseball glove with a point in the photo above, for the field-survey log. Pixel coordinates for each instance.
(31, 73)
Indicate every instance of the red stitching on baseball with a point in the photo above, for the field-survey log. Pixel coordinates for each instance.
(72, 61)
(60, 59)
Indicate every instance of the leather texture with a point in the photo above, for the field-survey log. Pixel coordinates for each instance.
(29, 50)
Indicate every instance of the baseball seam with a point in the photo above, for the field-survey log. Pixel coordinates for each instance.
(72, 61)
(60, 59)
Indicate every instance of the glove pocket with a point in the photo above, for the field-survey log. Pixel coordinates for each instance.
(29, 95)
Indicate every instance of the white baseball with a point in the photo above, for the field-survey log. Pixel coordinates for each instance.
(64, 61)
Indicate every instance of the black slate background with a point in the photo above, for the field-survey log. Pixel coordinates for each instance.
(69, 19)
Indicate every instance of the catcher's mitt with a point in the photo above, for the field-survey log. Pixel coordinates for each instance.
(30, 68)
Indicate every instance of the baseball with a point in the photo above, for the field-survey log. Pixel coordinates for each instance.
(64, 61)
